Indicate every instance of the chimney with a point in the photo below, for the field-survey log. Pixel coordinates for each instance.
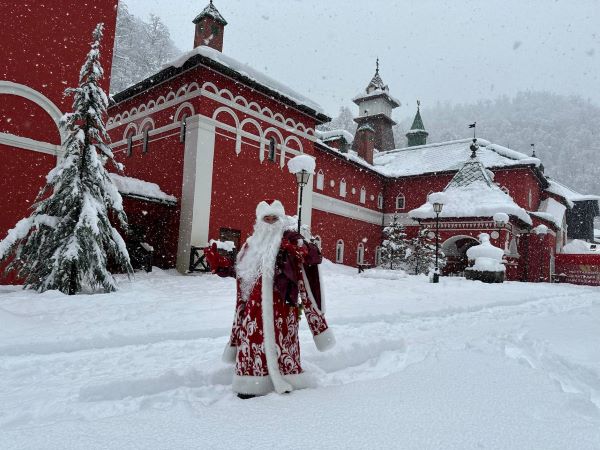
(365, 142)
(210, 25)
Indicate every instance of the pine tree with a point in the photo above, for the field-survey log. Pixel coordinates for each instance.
(421, 254)
(68, 241)
(394, 246)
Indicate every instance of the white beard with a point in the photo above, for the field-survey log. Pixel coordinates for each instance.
(258, 257)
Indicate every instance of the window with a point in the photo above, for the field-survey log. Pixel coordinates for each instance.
(363, 195)
(130, 145)
(343, 188)
(530, 198)
(320, 180)
(272, 148)
(339, 252)
(380, 201)
(400, 201)
(360, 253)
(146, 136)
(182, 128)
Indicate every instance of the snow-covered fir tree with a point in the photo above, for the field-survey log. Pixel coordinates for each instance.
(420, 257)
(141, 48)
(394, 245)
(68, 242)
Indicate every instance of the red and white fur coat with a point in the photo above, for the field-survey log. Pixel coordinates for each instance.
(264, 339)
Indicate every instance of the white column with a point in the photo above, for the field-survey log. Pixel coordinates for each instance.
(196, 190)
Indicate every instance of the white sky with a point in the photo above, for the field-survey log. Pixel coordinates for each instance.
(456, 51)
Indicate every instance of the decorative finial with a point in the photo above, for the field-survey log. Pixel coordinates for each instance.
(474, 147)
(474, 126)
(377, 66)
(533, 150)
(418, 104)
(211, 2)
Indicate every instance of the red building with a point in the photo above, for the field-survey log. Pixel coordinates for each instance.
(206, 138)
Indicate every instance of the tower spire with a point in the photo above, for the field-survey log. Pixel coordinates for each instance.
(417, 135)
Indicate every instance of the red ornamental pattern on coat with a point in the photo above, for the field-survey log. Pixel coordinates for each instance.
(248, 333)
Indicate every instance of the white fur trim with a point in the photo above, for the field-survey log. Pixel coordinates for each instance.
(274, 209)
(246, 384)
(270, 344)
(325, 340)
(229, 354)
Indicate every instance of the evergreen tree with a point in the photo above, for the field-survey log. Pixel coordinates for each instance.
(68, 241)
(394, 246)
(421, 253)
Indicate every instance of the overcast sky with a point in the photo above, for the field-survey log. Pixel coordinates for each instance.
(456, 51)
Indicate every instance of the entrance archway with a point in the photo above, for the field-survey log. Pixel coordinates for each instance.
(455, 250)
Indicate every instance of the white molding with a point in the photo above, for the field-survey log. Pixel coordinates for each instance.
(196, 188)
(21, 90)
(297, 128)
(345, 209)
(30, 144)
(403, 218)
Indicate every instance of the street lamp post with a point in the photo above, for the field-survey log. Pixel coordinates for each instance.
(437, 208)
(302, 178)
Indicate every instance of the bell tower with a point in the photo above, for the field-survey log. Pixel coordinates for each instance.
(210, 25)
(417, 135)
(375, 107)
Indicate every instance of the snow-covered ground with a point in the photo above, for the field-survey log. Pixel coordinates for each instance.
(459, 365)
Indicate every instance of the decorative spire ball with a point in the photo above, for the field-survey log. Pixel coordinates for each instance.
(533, 150)
(377, 66)
(474, 147)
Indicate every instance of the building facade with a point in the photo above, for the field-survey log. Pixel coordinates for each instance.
(207, 138)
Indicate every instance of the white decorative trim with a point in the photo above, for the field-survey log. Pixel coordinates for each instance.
(403, 218)
(324, 341)
(269, 342)
(346, 209)
(223, 96)
(12, 140)
(309, 293)
(21, 90)
(262, 385)
(147, 120)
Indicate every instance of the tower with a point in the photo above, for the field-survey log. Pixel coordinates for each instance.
(417, 134)
(210, 25)
(375, 107)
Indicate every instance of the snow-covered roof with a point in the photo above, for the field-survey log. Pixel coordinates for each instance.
(139, 188)
(335, 134)
(552, 211)
(568, 194)
(446, 156)
(248, 72)
(210, 11)
(475, 200)
(361, 96)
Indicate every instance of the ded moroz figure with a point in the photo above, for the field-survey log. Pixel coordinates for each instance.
(277, 275)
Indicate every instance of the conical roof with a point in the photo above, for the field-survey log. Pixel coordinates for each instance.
(418, 122)
(471, 171)
(210, 11)
(376, 82)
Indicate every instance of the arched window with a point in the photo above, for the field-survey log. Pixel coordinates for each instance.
(318, 242)
(339, 252)
(530, 198)
(400, 201)
(182, 127)
(360, 253)
(130, 135)
(343, 188)
(377, 255)
(363, 195)
(272, 149)
(146, 136)
(380, 201)
(320, 180)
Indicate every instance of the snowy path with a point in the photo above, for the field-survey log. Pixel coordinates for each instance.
(458, 365)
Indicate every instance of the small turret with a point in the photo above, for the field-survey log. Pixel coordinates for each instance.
(210, 26)
(417, 135)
